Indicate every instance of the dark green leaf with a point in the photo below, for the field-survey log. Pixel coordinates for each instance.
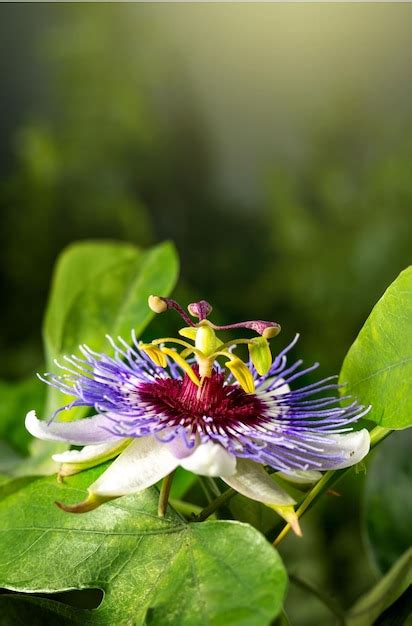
(16, 400)
(370, 606)
(399, 613)
(282, 620)
(161, 572)
(378, 366)
(182, 482)
(388, 505)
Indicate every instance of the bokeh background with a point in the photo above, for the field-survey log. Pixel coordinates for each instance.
(271, 143)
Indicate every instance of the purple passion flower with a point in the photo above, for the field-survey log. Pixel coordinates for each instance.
(199, 406)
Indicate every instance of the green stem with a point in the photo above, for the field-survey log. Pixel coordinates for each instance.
(215, 504)
(321, 486)
(185, 508)
(205, 488)
(330, 477)
(323, 597)
(213, 487)
(378, 434)
(164, 494)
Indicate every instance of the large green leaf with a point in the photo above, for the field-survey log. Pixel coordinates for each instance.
(383, 595)
(98, 288)
(388, 505)
(161, 572)
(378, 366)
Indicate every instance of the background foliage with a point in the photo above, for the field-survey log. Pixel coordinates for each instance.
(278, 161)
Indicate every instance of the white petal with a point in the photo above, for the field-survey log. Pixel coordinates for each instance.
(251, 480)
(300, 477)
(90, 430)
(179, 448)
(278, 391)
(144, 462)
(281, 389)
(90, 453)
(210, 459)
(352, 448)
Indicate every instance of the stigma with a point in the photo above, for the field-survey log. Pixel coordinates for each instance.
(202, 347)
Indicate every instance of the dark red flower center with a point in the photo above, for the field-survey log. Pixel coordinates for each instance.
(182, 402)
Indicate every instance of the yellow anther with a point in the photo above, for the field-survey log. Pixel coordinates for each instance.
(260, 354)
(271, 331)
(182, 363)
(154, 353)
(158, 305)
(242, 374)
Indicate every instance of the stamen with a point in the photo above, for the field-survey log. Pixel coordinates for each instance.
(157, 307)
(182, 363)
(180, 342)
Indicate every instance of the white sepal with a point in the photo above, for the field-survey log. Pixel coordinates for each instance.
(251, 480)
(90, 430)
(210, 459)
(144, 462)
(74, 461)
(300, 477)
(280, 389)
(351, 448)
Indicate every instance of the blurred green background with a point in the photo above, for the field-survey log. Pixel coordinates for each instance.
(271, 143)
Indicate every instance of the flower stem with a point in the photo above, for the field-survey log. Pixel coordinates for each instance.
(215, 504)
(330, 477)
(164, 494)
(205, 488)
(378, 434)
(314, 493)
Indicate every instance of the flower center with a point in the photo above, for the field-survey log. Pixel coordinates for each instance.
(215, 407)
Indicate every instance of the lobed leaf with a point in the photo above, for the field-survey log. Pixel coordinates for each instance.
(157, 571)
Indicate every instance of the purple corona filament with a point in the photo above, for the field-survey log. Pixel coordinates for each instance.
(285, 428)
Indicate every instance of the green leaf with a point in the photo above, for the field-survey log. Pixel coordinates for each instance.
(378, 367)
(182, 482)
(254, 513)
(16, 400)
(102, 288)
(98, 288)
(282, 620)
(9, 485)
(153, 571)
(383, 595)
(388, 505)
